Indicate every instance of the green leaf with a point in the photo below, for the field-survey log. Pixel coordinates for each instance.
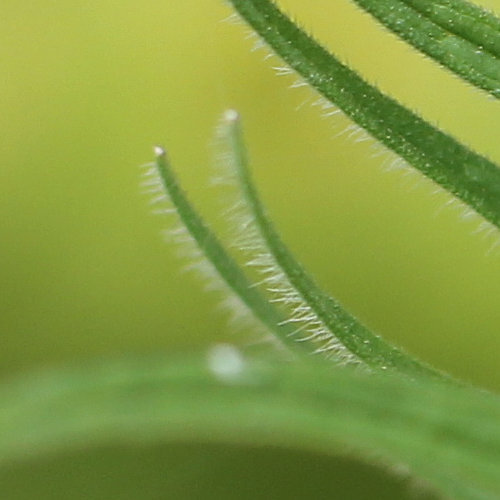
(446, 435)
(322, 320)
(212, 251)
(465, 19)
(458, 35)
(472, 178)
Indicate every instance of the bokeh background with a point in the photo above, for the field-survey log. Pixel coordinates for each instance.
(88, 86)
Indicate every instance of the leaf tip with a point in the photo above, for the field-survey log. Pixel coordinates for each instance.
(159, 151)
(231, 116)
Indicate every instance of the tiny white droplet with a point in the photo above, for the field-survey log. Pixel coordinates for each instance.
(231, 115)
(159, 151)
(225, 362)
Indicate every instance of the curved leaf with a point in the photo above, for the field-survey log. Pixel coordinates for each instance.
(465, 19)
(460, 36)
(472, 178)
(215, 254)
(322, 319)
(446, 435)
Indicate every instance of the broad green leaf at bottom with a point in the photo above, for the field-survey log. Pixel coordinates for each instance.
(447, 435)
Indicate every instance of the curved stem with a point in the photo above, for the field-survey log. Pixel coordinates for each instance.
(470, 177)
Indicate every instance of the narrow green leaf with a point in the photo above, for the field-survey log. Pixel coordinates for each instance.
(446, 435)
(465, 19)
(472, 178)
(222, 262)
(326, 324)
(460, 36)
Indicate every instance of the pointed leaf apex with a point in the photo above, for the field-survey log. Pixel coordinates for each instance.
(231, 116)
(159, 151)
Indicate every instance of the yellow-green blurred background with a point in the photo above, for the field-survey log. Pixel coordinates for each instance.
(88, 86)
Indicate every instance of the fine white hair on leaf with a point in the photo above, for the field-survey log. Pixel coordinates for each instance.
(298, 84)
(352, 132)
(494, 247)
(306, 101)
(328, 109)
(233, 19)
(240, 316)
(489, 233)
(265, 264)
(333, 112)
(482, 228)
(391, 162)
(247, 238)
(283, 70)
(396, 164)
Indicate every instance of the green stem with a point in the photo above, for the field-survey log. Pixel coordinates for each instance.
(463, 38)
(472, 178)
(464, 19)
(225, 265)
(341, 328)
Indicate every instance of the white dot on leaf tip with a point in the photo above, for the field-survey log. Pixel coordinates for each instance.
(159, 151)
(225, 362)
(231, 115)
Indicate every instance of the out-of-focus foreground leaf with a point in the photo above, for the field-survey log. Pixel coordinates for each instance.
(446, 435)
